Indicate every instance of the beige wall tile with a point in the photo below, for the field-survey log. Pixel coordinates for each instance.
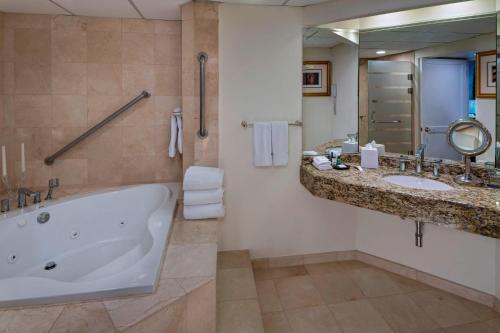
(69, 45)
(137, 48)
(137, 169)
(8, 45)
(138, 141)
(137, 78)
(99, 107)
(37, 173)
(138, 25)
(167, 49)
(104, 24)
(104, 47)
(27, 21)
(164, 106)
(106, 143)
(61, 136)
(102, 171)
(69, 111)
(142, 114)
(37, 142)
(71, 171)
(69, 22)
(8, 78)
(32, 46)
(32, 110)
(104, 79)
(32, 78)
(166, 168)
(167, 27)
(167, 80)
(69, 79)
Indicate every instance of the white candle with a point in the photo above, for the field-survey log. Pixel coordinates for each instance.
(23, 159)
(4, 163)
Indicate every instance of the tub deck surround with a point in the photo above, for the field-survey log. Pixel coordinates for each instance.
(183, 302)
(473, 209)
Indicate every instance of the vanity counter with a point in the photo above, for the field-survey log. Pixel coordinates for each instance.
(473, 209)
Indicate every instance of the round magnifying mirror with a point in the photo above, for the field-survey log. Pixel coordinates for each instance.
(470, 138)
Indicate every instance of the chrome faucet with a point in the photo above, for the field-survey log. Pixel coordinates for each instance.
(53, 183)
(419, 158)
(22, 193)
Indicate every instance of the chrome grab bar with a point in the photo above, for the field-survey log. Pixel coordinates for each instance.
(50, 159)
(202, 59)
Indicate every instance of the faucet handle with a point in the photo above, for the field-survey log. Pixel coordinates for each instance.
(402, 163)
(435, 167)
(37, 197)
(54, 182)
(5, 205)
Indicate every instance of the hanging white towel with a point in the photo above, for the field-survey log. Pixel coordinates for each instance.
(173, 136)
(279, 134)
(202, 178)
(204, 211)
(262, 144)
(178, 118)
(203, 197)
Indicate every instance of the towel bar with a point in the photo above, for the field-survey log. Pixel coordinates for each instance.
(245, 124)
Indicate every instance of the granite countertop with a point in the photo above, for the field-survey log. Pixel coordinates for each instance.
(473, 209)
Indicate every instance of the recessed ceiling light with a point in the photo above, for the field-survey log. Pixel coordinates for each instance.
(380, 52)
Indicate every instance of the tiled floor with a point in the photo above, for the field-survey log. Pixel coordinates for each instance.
(352, 297)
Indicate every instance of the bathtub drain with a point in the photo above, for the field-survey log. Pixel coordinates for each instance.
(50, 266)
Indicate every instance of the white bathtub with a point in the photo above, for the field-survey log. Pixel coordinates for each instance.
(104, 244)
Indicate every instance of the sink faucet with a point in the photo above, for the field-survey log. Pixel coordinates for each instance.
(53, 183)
(419, 158)
(22, 193)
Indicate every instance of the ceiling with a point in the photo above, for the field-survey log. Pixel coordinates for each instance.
(410, 38)
(151, 9)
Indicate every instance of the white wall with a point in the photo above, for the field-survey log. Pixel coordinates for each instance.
(455, 255)
(268, 210)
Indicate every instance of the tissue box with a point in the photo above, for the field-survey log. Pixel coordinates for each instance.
(349, 147)
(369, 157)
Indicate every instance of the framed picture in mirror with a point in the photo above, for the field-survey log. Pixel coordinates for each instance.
(486, 74)
(316, 78)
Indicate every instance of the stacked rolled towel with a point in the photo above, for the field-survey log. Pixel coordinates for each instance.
(203, 193)
(322, 163)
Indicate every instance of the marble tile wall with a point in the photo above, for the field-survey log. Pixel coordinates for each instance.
(200, 29)
(62, 74)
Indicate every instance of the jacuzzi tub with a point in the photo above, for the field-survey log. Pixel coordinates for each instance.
(104, 244)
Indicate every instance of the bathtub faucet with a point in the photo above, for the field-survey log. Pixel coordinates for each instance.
(22, 193)
(53, 183)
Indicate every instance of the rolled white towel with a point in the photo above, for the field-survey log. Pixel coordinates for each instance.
(199, 212)
(203, 197)
(321, 160)
(322, 167)
(203, 178)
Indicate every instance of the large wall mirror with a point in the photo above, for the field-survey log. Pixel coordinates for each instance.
(416, 72)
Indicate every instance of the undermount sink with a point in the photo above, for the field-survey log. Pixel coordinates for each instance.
(418, 183)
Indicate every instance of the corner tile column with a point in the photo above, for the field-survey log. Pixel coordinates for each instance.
(200, 29)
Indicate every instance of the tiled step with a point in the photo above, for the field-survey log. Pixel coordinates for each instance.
(238, 309)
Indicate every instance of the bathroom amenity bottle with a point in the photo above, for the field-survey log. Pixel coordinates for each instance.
(369, 156)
